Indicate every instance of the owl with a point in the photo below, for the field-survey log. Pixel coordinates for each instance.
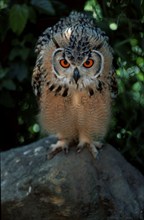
(74, 82)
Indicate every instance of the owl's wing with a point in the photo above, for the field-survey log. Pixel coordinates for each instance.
(38, 74)
(112, 83)
(36, 81)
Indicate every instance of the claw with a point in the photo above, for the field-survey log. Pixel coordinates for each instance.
(52, 153)
(93, 147)
(56, 148)
(81, 146)
(93, 150)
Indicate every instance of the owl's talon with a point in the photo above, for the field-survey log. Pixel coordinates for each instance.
(58, 147)
(93, 150)
(98, 144)
(81, 146)
(93, 147)
(52, 153)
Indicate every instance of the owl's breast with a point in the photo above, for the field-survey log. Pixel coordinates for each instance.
(92, 113)
(75, 112)
(57, 114)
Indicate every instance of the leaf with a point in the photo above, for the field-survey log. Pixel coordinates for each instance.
(9, 84)
(46, 5)
(19, 71)
(3, 4)
(3, 72)
(23, 72)
(18, 18)
(19, 52)
(32, 14)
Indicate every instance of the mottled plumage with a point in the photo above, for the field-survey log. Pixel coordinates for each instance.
(74, 81)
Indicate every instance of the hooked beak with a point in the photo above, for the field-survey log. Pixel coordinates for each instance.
(76, 74)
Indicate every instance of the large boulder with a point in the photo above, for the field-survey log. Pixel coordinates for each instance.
(72, 186)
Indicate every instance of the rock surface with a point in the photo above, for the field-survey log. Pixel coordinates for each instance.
(72, 186)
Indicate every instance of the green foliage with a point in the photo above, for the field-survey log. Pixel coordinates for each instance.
(18, 18)
(21, 24)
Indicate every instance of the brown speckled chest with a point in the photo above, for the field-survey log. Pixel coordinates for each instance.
(75, 114)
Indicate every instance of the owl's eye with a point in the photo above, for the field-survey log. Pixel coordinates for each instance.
(64, 63)
(89, 63)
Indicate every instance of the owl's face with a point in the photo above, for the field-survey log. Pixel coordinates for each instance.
(73, 55)
(77, 71)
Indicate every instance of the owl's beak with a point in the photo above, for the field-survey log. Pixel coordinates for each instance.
(76, 74)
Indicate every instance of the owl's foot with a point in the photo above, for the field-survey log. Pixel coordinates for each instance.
(93, 147)
(61, 145)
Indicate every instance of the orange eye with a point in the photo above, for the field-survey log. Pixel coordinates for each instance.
(64, 63)
(89, 63)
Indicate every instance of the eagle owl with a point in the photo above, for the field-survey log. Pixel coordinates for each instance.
(74, 81)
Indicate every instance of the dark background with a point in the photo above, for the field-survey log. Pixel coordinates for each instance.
(21, 22)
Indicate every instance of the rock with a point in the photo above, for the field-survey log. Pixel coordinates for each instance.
(72, 186)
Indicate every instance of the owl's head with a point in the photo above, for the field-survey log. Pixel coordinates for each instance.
(79, 69)
(74, 53)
